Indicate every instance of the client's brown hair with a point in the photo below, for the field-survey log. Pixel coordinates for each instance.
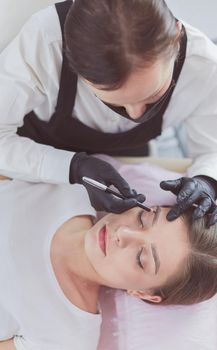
(197, 280)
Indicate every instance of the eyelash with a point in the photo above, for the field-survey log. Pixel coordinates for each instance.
(138, 258)
(140, 218)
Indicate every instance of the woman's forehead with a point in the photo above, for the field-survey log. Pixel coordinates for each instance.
(141, 85)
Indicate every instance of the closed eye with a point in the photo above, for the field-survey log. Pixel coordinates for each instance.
(139, 218)
(138, 256)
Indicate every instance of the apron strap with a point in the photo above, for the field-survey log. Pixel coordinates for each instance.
(68, 80)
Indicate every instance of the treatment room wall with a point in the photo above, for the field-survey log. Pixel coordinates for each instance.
(199, 13)
(14, 13)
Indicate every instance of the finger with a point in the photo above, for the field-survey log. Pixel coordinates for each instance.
(140, 197)
(122, 185)
(134, 192)
(189, 200)
(174, 213)
(172, 185)
(212, 218)
(120, 205)
(203, 207)
(183, 205)
(188, 189)
(99, 200)
(102, 201)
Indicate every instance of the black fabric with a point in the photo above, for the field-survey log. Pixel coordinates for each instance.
(68, 133)
(151, 109)
(199, 190)
(99, 170)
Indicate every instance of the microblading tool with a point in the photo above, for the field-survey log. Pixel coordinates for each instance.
(105, 188)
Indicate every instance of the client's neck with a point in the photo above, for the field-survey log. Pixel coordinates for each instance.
(73, 271)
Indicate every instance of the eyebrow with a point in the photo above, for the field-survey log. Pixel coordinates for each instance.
(155, 257)
(156, 215)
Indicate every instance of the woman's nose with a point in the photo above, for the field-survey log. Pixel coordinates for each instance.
(136, 110)
(127, 236)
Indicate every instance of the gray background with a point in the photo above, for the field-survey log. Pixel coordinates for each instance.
(13, 13)
(200, 13)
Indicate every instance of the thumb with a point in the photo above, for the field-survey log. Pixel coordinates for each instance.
(140, 197)
(122, 185)
(172, 185)
(174, 213)
(119, 206)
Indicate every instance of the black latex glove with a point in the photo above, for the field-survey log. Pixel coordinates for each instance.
(200, 190)
(97, 169)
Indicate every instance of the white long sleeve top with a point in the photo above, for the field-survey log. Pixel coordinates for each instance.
(29, 80)
(33, 308)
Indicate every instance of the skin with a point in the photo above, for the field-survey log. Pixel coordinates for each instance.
(81, 266)
(143, 87)
(89, 268)
(7, 345)
(126, 235)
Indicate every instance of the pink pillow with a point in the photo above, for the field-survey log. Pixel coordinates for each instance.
(145, 178)
(130, 324)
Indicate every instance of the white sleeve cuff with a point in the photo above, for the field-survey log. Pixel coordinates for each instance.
(55, 166)
(204, 165)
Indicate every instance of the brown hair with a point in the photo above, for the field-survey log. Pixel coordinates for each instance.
(107, 39)
(197, 280)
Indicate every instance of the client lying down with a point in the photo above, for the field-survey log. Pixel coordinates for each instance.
(53, 260)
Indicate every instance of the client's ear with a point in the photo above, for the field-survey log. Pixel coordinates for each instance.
(179, 26)
(145, 296)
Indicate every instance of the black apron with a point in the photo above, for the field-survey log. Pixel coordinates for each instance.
(63, 131)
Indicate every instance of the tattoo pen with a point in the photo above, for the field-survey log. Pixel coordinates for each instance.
(105, 188)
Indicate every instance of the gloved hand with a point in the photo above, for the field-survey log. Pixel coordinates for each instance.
(97, 169)
(200, 190)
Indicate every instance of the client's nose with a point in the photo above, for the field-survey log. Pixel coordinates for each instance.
(127, 236)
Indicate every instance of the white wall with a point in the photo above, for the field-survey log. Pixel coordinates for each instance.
(14, 13)
(200, 13)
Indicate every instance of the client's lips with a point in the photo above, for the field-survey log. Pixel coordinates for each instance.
(102, 239)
